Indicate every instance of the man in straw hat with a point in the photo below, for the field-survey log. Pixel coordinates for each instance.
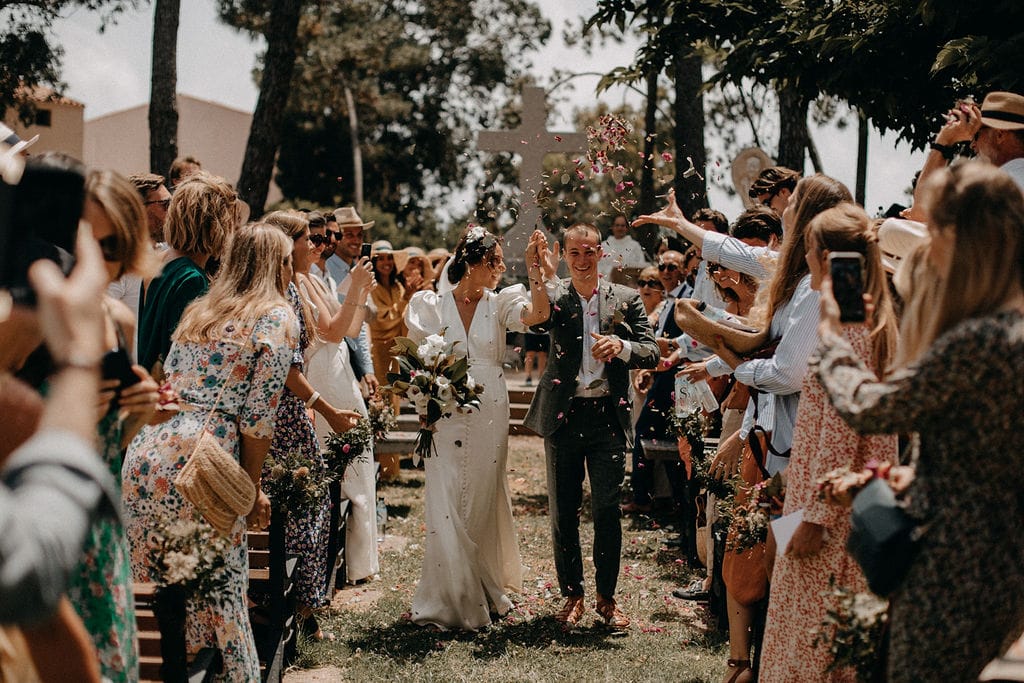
(995, 131)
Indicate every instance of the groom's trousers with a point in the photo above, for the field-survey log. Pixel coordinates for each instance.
(590, 442)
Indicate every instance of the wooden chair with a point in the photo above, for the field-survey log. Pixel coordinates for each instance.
(207, 663)
(271, 588)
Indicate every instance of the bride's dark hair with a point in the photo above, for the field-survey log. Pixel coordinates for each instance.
(476, 245)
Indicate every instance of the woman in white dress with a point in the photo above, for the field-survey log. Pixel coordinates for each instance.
(329, 371)
(471, 560)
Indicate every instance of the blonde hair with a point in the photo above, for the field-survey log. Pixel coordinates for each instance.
(847, 227)
(247, 286)
(812, 195)
(120, 201)
(294, 224)
(202, 215)
(918, 286)
(984, 210)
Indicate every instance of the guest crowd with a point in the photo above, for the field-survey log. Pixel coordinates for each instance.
(268, 334)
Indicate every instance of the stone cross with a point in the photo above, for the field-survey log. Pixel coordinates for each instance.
(532, 141)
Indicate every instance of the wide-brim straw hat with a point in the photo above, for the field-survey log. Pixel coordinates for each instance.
(704, 329)
(897, 238)
(348, 217)
(384, 247)
(417, 254)
(1003, 110)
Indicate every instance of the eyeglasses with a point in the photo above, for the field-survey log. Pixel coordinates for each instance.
(162, 202)
(110, 247)
(334, 235)
(319, 240)
(649, 283)
(667, 266)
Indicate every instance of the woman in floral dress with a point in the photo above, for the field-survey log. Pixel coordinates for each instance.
(100, 587)
(238, 338)
(823, 442)
(308, 530)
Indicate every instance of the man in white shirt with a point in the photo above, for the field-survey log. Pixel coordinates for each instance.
(620, 250)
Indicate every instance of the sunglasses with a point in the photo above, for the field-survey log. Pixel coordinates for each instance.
(319, 240)
(667, 266)
(649, 283)
(110, 247)
(713, 268)
(162, 202)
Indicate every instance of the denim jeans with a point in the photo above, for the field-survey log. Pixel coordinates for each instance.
(591, 442)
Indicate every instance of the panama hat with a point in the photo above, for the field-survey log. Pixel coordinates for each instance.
(348, 218)
(703, 329)
(1003, 110)
(898, 237)
(15, 144)
(384, 247)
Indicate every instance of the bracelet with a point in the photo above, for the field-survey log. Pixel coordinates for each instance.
(313, 399)
(947, 151)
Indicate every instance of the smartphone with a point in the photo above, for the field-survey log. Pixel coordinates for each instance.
(847, 268)
(39, 220)
(117, 365)
(365, 250)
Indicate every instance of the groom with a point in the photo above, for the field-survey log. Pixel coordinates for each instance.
(599, 332)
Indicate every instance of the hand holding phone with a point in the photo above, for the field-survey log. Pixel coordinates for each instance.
(847, 270)
(365, 250)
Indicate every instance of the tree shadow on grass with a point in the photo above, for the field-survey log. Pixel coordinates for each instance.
(405, 642)
(530, 504)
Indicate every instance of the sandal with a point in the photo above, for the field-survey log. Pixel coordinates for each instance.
(740, 665)
(571, 612)
(310, 628)
(614, 618)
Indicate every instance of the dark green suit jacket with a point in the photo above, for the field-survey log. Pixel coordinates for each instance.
(621, 314)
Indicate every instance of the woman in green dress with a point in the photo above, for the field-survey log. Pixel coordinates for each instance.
(203, 212)
(100, 587)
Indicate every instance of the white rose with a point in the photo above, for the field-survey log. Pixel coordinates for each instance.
(445, 393)
(413, 392)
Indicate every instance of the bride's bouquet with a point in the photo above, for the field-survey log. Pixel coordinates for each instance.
(435, 380)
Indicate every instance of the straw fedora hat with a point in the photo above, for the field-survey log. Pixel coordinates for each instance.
(347, 217)
(417, 254)
(897, 238)
(400, 256)
(1003, 110)
(702, 328)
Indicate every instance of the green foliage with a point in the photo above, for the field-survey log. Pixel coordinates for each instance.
(423, 77)
(29, 59)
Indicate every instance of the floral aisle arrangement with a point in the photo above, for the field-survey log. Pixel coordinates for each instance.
(189, 557)
(294, 482)
(191, 554)
(382, 420)
(341, 450)
(853, 631)
(750, 520)
(435, 380)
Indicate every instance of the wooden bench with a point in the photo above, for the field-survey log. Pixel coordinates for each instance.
(336, 543)
(271, 588)
(203, 667)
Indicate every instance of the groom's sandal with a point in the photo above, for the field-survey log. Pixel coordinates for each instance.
(571, 612)
(614, 618)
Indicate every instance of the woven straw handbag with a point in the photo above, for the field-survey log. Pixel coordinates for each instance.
(214, 482)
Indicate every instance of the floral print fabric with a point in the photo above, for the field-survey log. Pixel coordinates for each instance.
(254, 364)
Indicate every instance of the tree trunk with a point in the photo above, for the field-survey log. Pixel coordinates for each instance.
(647, 235)
(691, 192)
(357, 152)
(265, 132)
(862, 158)
(792, 128)
(163, 107)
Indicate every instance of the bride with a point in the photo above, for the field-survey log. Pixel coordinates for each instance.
(471, 558)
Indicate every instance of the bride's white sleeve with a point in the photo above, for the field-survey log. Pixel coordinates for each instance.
(512, 301)
(423, 315)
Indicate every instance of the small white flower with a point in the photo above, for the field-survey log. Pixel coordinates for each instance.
(444, 392)
(413, 392)
(180, 567)
(470, 382)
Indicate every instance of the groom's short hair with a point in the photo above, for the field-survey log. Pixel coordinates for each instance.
(578, 230)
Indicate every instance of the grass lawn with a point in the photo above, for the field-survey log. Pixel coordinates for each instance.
(669, 641)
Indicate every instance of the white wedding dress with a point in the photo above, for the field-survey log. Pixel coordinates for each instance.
(471, 556)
